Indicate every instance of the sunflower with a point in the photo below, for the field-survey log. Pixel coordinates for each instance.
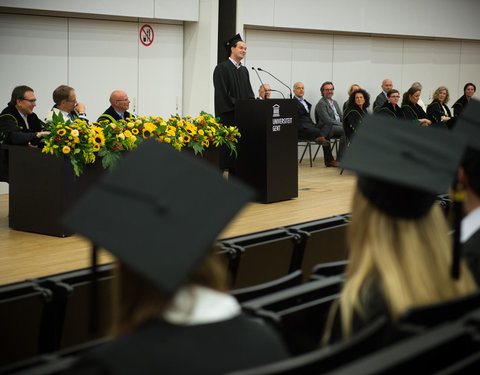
(66, 149)
(96, 147)
(206, 143)
(62, 132)
(186, 138)
(146, 133)
(99, 138)
(134, 131)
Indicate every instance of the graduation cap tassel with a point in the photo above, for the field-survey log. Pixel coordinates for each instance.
(458, 198)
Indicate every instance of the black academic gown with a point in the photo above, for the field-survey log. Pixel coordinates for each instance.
(163, 348)
(435, 111)
(460, 105)
(352, 120)
(388, 110)
(471, 251)
(112, 113)
(13, 129)
(413, 111)
(230, 84)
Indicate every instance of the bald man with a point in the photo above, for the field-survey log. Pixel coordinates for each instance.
(119, 104)
(381, 99)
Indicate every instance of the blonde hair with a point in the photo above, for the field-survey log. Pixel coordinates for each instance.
(410, 258)
(351, 89)
(437, 91)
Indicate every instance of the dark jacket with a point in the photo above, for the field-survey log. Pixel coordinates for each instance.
(13, 129)
(352, 120)
(387, 109)
(112, 113)
(435, 111)
(460, 105)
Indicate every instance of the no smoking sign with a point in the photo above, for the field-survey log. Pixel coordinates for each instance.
(146, 35)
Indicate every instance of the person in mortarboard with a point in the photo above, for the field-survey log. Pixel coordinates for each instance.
(469, 177)
(231, 81)
(400, 252)
(172, 314)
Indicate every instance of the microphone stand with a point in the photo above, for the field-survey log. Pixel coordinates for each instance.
(290, 90)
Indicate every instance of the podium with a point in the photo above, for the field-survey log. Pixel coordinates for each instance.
(267, 149)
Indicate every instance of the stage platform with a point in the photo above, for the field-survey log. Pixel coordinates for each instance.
(323, 192)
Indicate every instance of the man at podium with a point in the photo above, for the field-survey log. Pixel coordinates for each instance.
(231, 82)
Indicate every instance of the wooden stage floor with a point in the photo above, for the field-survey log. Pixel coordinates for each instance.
(323, 192)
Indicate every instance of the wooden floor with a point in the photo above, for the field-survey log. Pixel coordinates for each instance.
(323, 192)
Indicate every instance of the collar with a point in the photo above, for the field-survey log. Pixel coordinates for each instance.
(121, 114)
(470, 224)
(237, 65)
(195, 304)
(300, 99)
(384, 93)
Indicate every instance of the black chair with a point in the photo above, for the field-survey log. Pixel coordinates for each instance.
(52, 364)
(426, 353)
(308, 146)
(24, 307)
(73, 305)
(248, 293)
(319, 361)
(323, 270)
(419, 319)
(325, 243)
(259, 257)
(299, 313)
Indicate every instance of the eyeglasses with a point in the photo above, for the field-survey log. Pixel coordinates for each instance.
(30, 100)
(394, 96)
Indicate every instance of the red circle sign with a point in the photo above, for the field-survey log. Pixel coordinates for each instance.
(146, 35)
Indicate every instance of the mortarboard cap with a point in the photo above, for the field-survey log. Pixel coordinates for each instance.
(159, 212)
(229, 43)
(468, 125)
(401, 167)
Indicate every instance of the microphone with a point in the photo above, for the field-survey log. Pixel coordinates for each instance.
(289, 89)
(258, 75)
(281, 93)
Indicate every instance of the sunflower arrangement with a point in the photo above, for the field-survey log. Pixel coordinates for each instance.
(109, 139)
(74, 140)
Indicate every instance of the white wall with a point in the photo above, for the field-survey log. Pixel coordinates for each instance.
(315, 57)
(426, 18)
(95, 57)
(185, 10)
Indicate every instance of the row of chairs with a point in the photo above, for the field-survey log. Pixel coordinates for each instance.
(308, 145)
(443, 338)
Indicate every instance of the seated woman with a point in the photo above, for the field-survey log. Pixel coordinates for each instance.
(358, 102)
(171, 312)
(391, 108)
(459, 106)
(438, 110)
(399, 246)
(410, 108)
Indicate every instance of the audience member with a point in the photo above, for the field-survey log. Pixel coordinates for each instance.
(387, 85)
(410, 108)
(357, 106)
(329, 120)
(390, 108)
(306, 128)
(66, 103)
(18, 124)
(399, 245)
(438, 110)
(352, 88)
(171, 313)
(118, 109)
(231, 82)
(264, 91)
(420, 102)
(468, 127)
(459, 106)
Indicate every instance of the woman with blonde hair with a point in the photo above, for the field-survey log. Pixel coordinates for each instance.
(352, 88)
(399, 248)
(438, 110)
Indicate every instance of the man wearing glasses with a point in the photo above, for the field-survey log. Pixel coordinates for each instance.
(66, 103)
(18, 124)
(119, 104)
(329, 120)
(391, 108)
